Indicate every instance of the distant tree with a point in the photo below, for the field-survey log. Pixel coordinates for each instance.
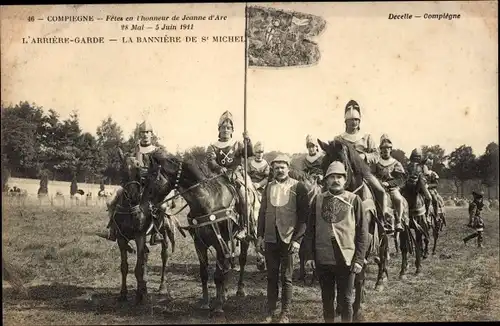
(21, 138)
(109, 139)
(5, 178)
(44, 183)
(400, 155)
(463, 167)
(488, 168)
(437, 154)
(73, 188)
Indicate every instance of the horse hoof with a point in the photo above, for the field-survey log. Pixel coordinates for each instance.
(205, 306)
(379, 287)
(402, 277)
(418, 272)
(241, 293)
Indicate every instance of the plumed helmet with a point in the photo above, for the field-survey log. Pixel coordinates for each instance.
(226, 116)
(336, 167)
(352, 110)
(311, 140)
(145, 126)
(281, 158)
(385, 141)
(258, 147)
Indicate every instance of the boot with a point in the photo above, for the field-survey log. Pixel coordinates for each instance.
(388, 225)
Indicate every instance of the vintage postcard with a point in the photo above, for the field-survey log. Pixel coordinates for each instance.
(250, 162)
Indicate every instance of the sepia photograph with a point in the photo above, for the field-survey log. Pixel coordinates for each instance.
(224, 163)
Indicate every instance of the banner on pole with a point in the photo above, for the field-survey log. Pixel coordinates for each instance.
(278, 38)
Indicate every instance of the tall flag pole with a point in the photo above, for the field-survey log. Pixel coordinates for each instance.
(245, 119)
(278, 38)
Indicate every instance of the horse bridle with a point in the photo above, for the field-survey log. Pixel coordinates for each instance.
(349, 170)
(136, 208)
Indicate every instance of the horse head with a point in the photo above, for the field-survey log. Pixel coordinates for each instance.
(130, 179)
(338, 150)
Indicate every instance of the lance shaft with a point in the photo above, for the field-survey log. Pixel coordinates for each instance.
(245, 119)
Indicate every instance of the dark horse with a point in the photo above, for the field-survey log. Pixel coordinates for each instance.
(212, 219)
(415, 238)
(134, 221)
(338, 150)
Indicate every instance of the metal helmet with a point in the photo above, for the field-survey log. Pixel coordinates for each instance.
(310, 140)
(258, 147)
(226, 116)
(336, 167)
(385, 141)
(145, 126)
(415, 153)
(352, 110)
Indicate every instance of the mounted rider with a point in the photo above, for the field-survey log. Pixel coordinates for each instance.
(225, 156)
(432, 179)
(416, 171)
(143, 152)
(313, 160)
(392, 176)
(368, 151)
(258, 168)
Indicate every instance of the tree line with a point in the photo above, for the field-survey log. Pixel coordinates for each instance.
(41, 145)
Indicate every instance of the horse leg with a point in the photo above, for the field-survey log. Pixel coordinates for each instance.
(123, 269)
(203, 259)
(163, 289)
(140, 269)
(382, 269)
(302, 263)
(396, 245)
(418, 251)
(435, 236)
(426, 248)
(243, 260)
(404, 239)
(220, 279)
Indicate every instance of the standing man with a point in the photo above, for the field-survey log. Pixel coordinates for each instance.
(337, 237)
(258, 168)
(281, 226)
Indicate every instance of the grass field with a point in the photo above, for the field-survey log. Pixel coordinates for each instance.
(73, 277)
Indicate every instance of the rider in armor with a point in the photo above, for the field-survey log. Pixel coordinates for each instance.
(392, 176)
(313, 160)
(258, 168)
(225, 156)
(432, 179)
(365, 146)
(415, 171)
(143, 153)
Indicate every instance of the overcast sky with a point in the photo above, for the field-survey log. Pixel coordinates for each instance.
(420, 81)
